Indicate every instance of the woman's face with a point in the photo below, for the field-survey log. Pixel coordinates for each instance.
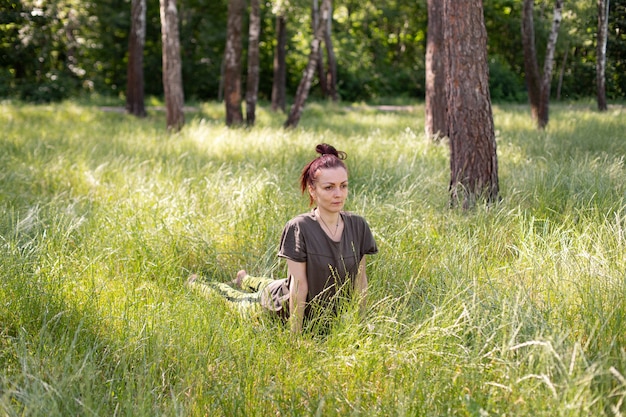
(330, 189)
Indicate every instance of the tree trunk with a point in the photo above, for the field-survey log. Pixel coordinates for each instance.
(305, 83)
(232, 72)
(252, 85)
(538, 84)
(603, 27)
(331, 74)
(435, 100)
(562, 74)
(531, 67)
(172, 72)
(473, 158)
(280, 66)
(548, 65)
(134, 80)
(321, 73)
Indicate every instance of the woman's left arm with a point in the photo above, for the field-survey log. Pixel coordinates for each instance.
(360, 285)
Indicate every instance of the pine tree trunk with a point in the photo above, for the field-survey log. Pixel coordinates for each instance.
(305, 83)
(473, 158)
(280, 65)
(531, 67)
(232, 68)
(134, 81)
(603, 27)
(252, 85)
(172, 72)
(435, 100)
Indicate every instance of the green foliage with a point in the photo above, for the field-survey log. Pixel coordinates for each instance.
(51, 50)
(514, 309)
(504, 84)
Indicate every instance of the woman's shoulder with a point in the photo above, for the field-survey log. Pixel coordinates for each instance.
(353, 217)
(300, 219)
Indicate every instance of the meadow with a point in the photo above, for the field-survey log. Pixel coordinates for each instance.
(517, 309)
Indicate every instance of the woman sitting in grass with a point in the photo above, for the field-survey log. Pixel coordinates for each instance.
(325, 250)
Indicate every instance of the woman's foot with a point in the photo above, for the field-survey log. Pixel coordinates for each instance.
(240, 276)
(192, 278)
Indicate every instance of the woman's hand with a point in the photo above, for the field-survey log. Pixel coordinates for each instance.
(360, 286)
(298, 290)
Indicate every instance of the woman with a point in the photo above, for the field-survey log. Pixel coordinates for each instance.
(325, 249)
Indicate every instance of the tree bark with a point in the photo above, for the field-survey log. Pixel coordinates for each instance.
(562, 74)
(280, 66)
(531, 67)
(305, 83)
(331, 73)
(539, 84)
(548, 65)
(232, 68)
(134, 80)
(252, 85)
(603, 27)
(473, 158)
(172, 72)
(435, 100)
(321, 73)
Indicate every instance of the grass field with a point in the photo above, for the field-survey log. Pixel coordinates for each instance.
(514, 310)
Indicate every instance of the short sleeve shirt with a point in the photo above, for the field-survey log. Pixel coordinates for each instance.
(329, 264)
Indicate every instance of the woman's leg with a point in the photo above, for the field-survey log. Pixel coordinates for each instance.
(245, 302)
(250, 283)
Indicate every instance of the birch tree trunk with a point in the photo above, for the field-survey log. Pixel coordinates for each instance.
(331, 73)
(305, 83)
(172, 72)
(539, 84)
(473, 158)
(321, 72)
(548, 65)
(134, 74)
(252, 85)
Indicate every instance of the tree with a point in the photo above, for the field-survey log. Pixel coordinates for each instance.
(435, 99)
(603, 27)
(232, 62)
(280, 65)
(252, 85)
(305, 83)
(321, 72)
(136, 40)
(473, 158)
(172, 75)
(539, 85)
(331, 73)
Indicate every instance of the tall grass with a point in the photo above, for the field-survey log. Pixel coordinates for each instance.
(516, 309)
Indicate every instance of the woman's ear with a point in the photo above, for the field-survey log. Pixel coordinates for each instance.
(311, 189)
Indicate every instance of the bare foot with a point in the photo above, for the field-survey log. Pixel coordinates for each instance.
(240, 276)
(192, 278)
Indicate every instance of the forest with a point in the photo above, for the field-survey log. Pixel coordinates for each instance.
(53, 50)
(499, 285)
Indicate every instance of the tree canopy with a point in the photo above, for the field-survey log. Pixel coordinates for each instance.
(53, 49)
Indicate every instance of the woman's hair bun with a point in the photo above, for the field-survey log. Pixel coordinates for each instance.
(326, 149)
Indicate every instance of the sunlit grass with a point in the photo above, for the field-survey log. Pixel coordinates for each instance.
(515, 309)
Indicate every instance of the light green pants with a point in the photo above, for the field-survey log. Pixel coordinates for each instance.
(246, 300)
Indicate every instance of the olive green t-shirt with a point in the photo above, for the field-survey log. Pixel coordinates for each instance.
(329, 264)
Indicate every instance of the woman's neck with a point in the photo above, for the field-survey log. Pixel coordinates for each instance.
(328, 217)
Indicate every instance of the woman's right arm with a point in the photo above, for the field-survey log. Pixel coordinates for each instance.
(298, 290)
